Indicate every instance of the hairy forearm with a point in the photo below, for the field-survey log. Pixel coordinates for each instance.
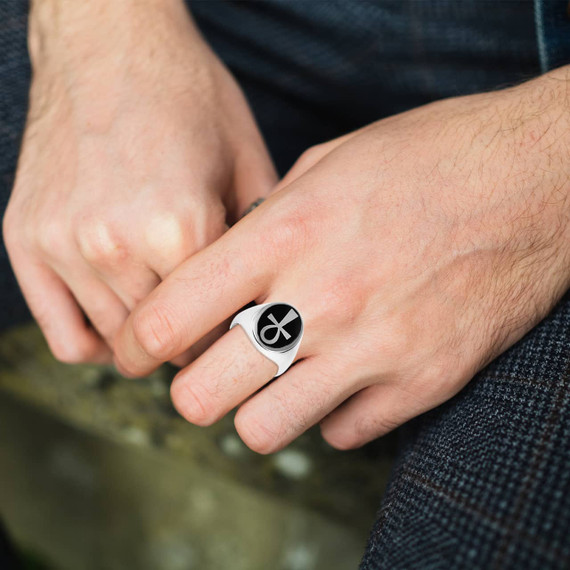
(92, 50)
(544, 114)
(520, 138)
(88, 28)
(98, 36)
(542, 131)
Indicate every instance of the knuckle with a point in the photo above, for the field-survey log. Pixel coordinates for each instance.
(154, 331)
(169, 234)
(256, 434)
(398, 339)
(179, 234)
(310, 156)
(439, 377)
(340, 302)
(288, 233)
(98, 242)
(192, 404)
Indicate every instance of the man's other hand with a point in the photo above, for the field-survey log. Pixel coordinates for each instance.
(139, 146)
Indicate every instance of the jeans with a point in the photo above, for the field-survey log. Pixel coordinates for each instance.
(483, 481)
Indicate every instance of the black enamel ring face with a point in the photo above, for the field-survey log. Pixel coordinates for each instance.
(278, 327)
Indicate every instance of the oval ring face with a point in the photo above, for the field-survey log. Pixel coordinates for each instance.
(278, 327)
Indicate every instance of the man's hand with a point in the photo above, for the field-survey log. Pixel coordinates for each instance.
(416, 250)
(138, 146)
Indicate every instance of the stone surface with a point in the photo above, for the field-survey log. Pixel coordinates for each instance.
(99, 471)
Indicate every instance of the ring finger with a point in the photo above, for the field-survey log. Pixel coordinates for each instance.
(221, 378)
(232, 369)
(131, 283)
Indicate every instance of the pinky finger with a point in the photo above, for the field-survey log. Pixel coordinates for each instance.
(369, 414)
(69, 336)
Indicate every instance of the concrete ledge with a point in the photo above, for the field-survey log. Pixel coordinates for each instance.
(135, 428)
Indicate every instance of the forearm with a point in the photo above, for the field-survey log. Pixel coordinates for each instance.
(542, 133)
(544, 114)
(519, 138)
(92, 50)
(86, 30)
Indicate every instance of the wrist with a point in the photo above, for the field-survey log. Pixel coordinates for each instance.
(75, 34)
(542, 124)
(93, 57)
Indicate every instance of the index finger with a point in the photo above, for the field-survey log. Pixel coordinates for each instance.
(201, 293)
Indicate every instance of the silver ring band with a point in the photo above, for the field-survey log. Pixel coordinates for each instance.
(275, 330)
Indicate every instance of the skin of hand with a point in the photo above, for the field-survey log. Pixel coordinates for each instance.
(139, 147)
(416, 249)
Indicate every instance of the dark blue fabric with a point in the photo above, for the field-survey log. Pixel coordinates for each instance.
(553, 32)
(482, 481)
(314, 70)
(14, 82)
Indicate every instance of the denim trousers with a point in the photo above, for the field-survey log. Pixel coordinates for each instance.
(482, 481)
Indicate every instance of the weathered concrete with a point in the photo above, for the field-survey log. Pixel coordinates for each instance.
(99, 472)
